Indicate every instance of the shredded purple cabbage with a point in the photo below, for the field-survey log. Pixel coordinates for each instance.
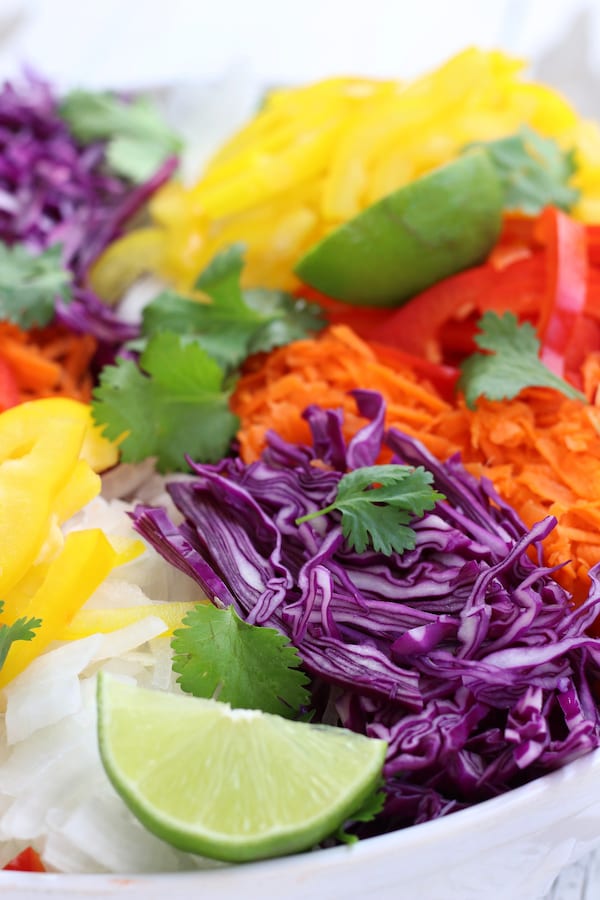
(463, 654)
(53, 191)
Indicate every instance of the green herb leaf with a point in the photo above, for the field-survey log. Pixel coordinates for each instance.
(380, 516)
(139, 140)
(533, 171)
(21, 630)
(511, 364)
(235, 323)
(175, 402)
(370, 808)
(30, 284)
(219, 655)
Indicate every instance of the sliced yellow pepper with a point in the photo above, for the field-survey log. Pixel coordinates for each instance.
(103, 621)
(84, 562)
(346, 142)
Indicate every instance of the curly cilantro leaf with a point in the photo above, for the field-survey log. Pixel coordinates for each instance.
(139, 141)
(377, 504)
(219, 655)
(174, 403)
(21, 630)
(31, 283)
(511, 363)
(234, 323)
(533, 170)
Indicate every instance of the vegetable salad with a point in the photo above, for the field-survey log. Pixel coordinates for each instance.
(383, 516)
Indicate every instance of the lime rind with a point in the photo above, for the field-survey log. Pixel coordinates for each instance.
(235, 785)
(433, 227)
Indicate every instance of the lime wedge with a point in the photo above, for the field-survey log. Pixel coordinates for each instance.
(232, 784)
(435, 226)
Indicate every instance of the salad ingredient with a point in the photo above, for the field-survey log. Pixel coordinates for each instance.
(21, 630)
(218, 655)
(233, 324)
(534, 172)
(562, 325)
(175, 402)
(314, 157)
(103, 621)
(137, 140)
(273, 393)
(377, 504)
(240, 784)
(511, 365)
(440, 223)
(464, 654)
(28, 860)
(54, 191)
(49, 451)
(30, 283)
(46, 362)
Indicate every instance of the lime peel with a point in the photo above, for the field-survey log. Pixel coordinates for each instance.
(231, 784)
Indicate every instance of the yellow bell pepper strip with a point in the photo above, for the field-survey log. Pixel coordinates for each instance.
(103, 621)
(84, 562)
(314, 156)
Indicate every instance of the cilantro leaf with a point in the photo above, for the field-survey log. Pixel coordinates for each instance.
(219, 655)
(30, 284)
(370, 808)
(235, 323)
(139, 140)
(173, 403)
(380, 516)
(534, 171)
(21, 630)
(511, 365)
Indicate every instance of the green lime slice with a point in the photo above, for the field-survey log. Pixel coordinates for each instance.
(433, 227)
(232, 784)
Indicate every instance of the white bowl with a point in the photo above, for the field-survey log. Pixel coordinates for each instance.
(508, 848)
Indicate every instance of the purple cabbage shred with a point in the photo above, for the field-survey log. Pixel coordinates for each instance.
(54, 190)
(464, 653)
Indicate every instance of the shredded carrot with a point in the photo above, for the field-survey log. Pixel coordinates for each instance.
(540, 450)
(47, 362)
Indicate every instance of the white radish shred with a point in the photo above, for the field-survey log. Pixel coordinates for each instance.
(54, 793)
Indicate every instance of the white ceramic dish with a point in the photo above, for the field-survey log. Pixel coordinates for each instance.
(509, 848)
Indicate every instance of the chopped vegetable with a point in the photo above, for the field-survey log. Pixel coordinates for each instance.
(138, 140)
(315, 156)
(28, 860)
(219, 655)
(30, 284)
(174, 403)
(377, 504)
(512, 365)
(467, 628)
(534, 171)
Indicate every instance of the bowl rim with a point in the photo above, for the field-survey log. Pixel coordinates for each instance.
(479, 816)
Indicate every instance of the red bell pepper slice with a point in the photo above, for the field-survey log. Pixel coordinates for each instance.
(566, 288)
(26, 861)
(9, 391)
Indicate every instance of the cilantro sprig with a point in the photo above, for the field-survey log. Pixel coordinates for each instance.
(31, 283)
(175, 402)
(138, 140)
(533, 171)
(234, 323)
(377, 504)
(21, 630)
(218, 655)
(510, 364)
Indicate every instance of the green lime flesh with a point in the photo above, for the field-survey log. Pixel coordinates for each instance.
(433, 227)
(231, 784)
